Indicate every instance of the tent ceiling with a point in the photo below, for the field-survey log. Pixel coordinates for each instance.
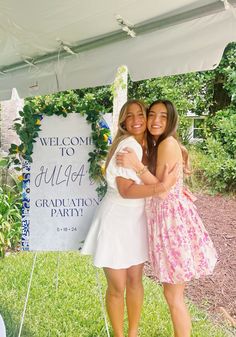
(171, 38)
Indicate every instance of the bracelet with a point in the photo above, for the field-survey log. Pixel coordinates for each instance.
(142, 171)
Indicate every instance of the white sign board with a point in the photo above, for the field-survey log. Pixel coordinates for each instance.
(59, 198)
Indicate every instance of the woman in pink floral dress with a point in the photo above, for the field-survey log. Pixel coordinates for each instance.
(180, 248)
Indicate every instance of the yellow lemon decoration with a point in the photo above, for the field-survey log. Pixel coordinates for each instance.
(103, 170)
(105, 137)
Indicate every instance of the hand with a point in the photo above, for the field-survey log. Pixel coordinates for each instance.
(127, 158)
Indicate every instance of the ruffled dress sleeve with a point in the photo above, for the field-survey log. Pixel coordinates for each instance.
(114, 171)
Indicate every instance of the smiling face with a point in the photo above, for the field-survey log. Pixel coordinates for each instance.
(135, 120)
(162, 123)
(157, 120)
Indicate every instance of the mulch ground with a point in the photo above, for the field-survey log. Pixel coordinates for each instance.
(219, 290)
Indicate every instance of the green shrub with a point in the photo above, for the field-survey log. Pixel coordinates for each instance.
(215, 158)
(183, 129)
(213, 169)
(222, 127)
(10, 219)
(197, 180)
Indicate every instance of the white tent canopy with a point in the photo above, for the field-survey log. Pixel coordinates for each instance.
(49, 46)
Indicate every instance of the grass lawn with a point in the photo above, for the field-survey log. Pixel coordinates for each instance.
(73, 308)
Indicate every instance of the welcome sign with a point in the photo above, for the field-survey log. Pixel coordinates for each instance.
(59, 198)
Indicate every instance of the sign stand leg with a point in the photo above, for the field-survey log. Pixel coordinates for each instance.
(27, 295)
(57, 272)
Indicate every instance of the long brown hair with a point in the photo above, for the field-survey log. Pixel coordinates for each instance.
(122, 133)
(170, 130)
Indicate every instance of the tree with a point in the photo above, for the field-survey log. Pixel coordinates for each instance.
(224, 81)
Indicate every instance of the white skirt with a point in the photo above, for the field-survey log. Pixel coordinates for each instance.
(118, 234)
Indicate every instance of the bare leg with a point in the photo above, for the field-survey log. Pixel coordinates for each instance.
(174, 294)
(134, 297)
(116, 281)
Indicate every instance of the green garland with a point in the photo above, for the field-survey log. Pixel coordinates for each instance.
(61, 104)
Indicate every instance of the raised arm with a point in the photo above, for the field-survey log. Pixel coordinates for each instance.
(169, 152)
(129, 159)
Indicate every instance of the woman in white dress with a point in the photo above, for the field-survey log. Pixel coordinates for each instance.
(117, 238)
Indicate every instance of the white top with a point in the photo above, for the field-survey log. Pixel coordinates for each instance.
(114, 171)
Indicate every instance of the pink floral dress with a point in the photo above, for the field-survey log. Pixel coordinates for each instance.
(179, 246)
